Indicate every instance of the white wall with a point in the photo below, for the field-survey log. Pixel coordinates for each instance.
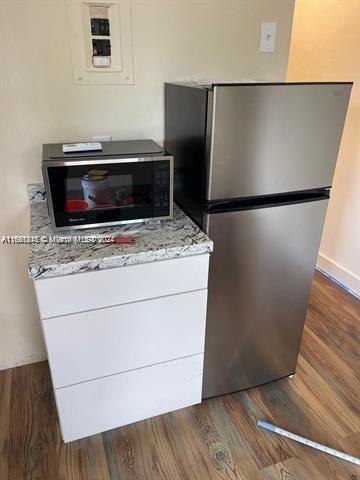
(173, 40)
(325, 45)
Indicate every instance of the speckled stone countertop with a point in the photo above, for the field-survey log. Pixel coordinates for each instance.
(178, 237)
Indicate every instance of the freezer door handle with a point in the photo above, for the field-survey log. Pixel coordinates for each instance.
(265, 201)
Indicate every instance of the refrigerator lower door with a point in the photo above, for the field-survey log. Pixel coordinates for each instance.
(260, 279)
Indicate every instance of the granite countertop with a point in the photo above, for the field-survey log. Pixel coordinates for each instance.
(178, 237)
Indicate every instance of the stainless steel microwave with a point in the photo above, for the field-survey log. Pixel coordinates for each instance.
(126, 182)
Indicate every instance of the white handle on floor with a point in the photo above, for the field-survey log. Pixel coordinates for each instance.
(309, 443)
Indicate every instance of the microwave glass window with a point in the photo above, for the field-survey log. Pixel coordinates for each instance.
(102, 193)
(97, 189)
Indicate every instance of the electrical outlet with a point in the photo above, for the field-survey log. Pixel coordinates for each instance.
(102, 138)
(267, 37)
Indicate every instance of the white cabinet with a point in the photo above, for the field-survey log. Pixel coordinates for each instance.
(108, 402)
(125, 344)
(115, 286)
(125, 337)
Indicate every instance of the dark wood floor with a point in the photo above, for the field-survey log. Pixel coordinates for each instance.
(216, 440)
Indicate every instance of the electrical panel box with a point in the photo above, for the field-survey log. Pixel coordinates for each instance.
(101, 41)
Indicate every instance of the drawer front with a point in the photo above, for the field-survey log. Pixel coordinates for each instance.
(110, 402)
(115, 286)
(93, 344)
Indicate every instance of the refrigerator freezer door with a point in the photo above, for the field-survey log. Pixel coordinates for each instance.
(259, 284)
(268, 139)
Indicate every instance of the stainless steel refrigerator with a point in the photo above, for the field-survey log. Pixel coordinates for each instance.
(254, 165)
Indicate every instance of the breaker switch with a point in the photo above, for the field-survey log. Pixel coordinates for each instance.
(101, 48)
(100, 26)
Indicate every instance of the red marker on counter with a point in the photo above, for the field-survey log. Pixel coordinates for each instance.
(123, 240)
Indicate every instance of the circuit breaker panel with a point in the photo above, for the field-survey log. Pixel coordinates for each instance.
(100, 36)
(101, 42)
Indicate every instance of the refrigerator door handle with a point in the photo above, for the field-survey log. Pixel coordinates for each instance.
(267, 201)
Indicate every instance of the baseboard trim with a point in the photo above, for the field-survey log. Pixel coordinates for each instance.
(17, 362)
(339, 275)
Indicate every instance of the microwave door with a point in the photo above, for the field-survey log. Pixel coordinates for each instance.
(93, 194)
(104, 194)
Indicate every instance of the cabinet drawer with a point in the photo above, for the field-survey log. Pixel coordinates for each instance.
(99, 405)
(115, 286)
(93, 344)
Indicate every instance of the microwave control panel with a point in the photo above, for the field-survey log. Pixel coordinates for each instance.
(161, 172)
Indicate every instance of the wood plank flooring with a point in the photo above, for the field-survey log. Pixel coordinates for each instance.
(217, 440)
